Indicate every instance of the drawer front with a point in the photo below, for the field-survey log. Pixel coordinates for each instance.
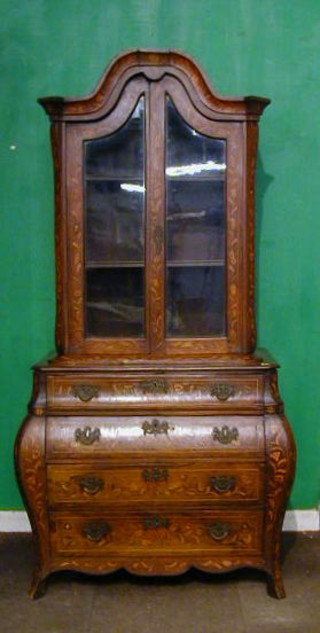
(186, 483)
(74, 392)
(76, 437)
(158, 533)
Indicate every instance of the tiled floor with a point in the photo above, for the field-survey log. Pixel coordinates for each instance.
(193, 603)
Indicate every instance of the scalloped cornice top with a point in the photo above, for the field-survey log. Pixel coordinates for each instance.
(153, 65)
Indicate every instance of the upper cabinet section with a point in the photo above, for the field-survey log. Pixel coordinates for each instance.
(154, 182)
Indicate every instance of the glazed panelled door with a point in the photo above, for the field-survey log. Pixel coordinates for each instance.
(195, 230)
(156, 175)
(202, 194)
(115, 231)
(109, 300)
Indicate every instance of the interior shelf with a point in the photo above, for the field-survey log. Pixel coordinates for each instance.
(115, 177)
(188, 178)
(195, 263)
(114, 264)
(197, 178)
(170, 264)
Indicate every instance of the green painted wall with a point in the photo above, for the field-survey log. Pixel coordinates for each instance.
(267, 47)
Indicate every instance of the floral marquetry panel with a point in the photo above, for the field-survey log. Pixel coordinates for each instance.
(79, 391)
(189, 483)
(156, 532)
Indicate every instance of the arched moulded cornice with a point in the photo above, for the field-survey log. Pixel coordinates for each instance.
(153, 65)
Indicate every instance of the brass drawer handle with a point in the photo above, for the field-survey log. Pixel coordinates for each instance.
(90, 484)
(155, 427)
(155, 522)
(155, 474)
(85, 392)
(96, 531)
(87, 435)
(219, 531)
(222, 483)
(225, 435)
(222, 391)
(155, 385)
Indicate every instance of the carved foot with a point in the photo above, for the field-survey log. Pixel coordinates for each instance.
(38, 586)
(275, 585)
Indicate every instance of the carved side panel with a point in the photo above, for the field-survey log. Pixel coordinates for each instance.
(29, 458)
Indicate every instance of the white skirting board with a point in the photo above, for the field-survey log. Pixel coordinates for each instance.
(295, 521)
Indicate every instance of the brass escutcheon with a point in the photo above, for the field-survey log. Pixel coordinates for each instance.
(155, 474)
(219, 531)
(155, 427)
(222, 391)
(96, 531)
(85, 392)
(87, 435)
(225, 435)
(154, 385)
(155, 522)
(222, 483)
(90, 484)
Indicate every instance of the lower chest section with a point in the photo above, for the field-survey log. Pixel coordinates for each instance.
(165, 485)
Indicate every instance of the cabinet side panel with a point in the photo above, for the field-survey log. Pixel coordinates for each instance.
(281, 458)
(57, 144)
(252, 141)
(30, 466)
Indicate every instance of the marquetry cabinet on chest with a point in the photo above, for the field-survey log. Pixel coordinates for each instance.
(156, 439)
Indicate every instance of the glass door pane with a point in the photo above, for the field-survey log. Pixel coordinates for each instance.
(114, 232)
(195, 230)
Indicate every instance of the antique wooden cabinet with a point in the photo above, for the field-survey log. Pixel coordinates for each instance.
(156, 439)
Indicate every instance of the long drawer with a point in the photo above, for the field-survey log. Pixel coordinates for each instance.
(187, 482)
(97, 392)
(165, 533)
(74, 438)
